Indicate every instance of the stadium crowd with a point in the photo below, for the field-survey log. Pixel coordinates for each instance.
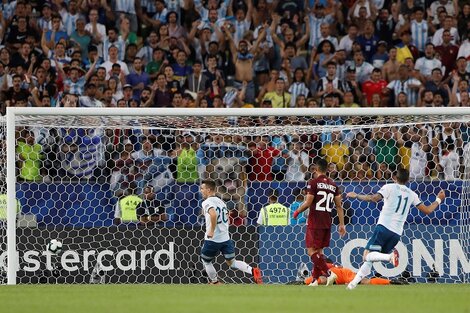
(236, 53)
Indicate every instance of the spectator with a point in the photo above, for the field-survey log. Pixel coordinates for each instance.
(274, 214)
(139, 79)
(375, 85)
(298, 163)
(261, 160)
(449, 163)
(335, 151)
(447, 53)
(280, 165)
(29, 158)
(386, 148)
(299, 198)
(150, 210)
(363, 68)
(186, 164)
(125, 209)
(279, 98)
(406, 84)
(426, 64)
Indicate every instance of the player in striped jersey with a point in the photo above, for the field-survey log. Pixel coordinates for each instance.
(217, 237)
(419, 29)
(397, 203)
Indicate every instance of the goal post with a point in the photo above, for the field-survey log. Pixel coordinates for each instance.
(84, 161)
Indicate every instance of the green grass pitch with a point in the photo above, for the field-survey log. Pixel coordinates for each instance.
(233, 298)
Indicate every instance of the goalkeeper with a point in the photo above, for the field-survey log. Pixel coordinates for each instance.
(345, 275)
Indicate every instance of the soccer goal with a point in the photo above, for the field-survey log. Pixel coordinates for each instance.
(112, 195)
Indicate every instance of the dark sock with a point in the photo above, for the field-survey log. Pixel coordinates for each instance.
(319, 262)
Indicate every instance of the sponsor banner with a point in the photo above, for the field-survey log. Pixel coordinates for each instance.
(125, 255)
(423, 249)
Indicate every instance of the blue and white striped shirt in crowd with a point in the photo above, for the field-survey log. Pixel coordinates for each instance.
(149, 6)
(174, 5)
(315, 24)
(419, 34)
(126, 6)
(44, 24)
(146, 54)
(222, 11)
(76, 88)
(404, 86)
(297, 89)
(241, 27)
(8, 9)
(120, 44)
(70, 21)
(160, 16)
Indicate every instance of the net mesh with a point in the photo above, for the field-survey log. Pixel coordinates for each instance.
(80, 179)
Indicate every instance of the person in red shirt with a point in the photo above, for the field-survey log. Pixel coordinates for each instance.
(322, 195)
(262, 160)
(448, 52)
(374, 85)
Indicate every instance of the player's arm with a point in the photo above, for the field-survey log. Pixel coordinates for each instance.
(213, 217)
(339, 210)
(370, 198)
(428, 209)
(305, 205)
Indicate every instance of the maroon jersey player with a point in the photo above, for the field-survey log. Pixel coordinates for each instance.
(322, 195)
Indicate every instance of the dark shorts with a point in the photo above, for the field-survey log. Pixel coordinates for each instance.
(317, 238)
(382, 240)
(211, 249)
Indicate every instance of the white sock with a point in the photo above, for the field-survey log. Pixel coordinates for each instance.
(364, 271)
(242, 266)
(210, 270)
(377, 256)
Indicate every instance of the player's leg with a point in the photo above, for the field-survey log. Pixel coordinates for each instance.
(208, 253)
(374, 244)
(384, 250)
(228, 250)
(379, 281)
(321, 239)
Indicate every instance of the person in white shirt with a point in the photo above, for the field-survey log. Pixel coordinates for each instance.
(113, 59)
(425, 65)
(347, 41)
(451, 6)
(217, 237)
(97, 30)
(449, 163)
(466, 160)
(419, 159)
(398, 199)
(448, 22)
(297, 164)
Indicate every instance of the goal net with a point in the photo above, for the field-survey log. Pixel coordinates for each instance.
(119, 188)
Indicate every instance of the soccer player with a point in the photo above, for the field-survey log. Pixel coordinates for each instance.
(322, 194)
(345, 276)
(217, 238)
(397, 202)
